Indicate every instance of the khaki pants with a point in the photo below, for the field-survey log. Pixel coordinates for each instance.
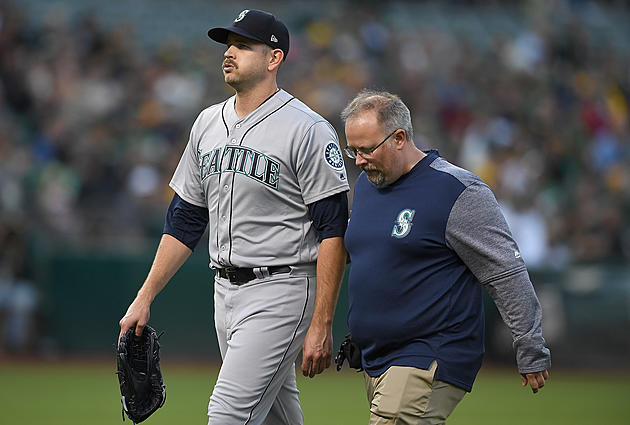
(410, 396)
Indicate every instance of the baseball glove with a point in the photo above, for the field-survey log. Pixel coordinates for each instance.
(141, 384)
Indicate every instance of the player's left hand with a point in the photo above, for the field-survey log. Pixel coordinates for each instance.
(317, 349)
(535, 380)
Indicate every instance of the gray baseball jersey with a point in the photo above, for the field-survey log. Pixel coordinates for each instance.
(256, 175)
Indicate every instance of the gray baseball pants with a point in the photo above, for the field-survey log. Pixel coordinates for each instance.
(260, 327)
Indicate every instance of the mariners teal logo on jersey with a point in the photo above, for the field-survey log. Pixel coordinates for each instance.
(402, 225)
(333, 156)
(241, 15)
(241, 160)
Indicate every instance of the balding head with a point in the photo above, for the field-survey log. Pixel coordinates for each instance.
(390, 110)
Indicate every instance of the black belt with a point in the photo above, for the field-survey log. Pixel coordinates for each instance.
(239, 276)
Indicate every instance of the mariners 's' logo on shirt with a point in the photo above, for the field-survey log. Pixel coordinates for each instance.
(402, 225)
(333, 156)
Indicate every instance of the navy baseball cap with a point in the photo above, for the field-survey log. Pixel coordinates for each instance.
(257, 25)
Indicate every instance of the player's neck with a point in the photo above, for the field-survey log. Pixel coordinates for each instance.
(414, 156)
(248, 100)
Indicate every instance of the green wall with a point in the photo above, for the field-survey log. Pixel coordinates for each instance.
(84, 297)
(586, 308)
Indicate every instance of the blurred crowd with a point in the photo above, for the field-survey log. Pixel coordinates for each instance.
(93, 122)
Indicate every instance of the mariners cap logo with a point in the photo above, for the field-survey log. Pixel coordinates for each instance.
(241, 15)
(333, 156)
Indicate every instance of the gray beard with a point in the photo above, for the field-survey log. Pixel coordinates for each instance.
(376, 177)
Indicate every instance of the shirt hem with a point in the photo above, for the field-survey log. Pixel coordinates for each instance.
(334, 191)
(185, 197)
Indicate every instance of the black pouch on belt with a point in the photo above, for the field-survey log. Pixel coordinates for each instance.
(350, 351)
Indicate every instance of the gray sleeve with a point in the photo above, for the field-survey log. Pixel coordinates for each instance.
(477, 231)
(320, 167)
(186, 181)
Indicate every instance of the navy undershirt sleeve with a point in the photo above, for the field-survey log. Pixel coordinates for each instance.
(185, 222)
(330, 216)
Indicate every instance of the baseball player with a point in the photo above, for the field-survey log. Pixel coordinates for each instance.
(266, 173)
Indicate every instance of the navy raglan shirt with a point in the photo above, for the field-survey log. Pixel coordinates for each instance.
(419, 250)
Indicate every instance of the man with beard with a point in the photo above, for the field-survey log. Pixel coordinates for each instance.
(424, 236)
(267, 174)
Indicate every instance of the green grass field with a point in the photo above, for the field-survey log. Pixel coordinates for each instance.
(69, 394)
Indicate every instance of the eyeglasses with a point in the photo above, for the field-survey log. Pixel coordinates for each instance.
(365, 153)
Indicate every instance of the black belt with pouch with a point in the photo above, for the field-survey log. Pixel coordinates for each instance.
(351, 351)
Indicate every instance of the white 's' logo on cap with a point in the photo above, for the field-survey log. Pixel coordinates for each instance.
(241, 15)
(273, 38)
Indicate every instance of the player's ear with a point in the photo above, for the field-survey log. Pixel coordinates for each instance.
(400, 138)
(276, 56)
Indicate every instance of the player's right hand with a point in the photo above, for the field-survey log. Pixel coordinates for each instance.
(137, 315)
(535, 380)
